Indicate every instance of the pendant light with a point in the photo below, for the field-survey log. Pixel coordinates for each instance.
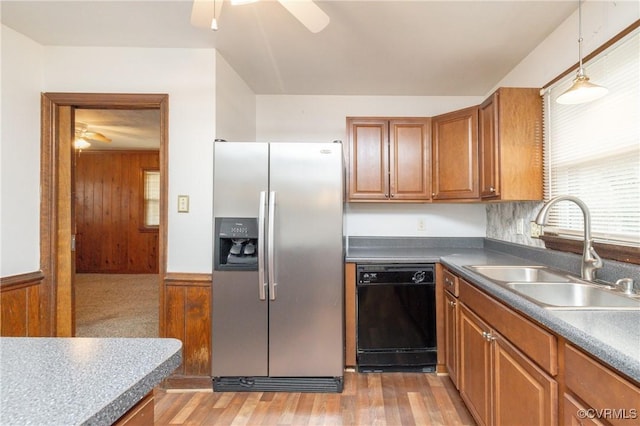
(214, 21)
(581, 90)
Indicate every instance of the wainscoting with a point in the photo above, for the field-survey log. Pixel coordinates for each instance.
(25, 306)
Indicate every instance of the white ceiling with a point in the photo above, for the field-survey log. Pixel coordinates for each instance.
(127, 129)
(416, 47)
(419, 47)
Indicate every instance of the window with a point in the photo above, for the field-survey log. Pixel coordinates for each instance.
(151, 184)
(592, 150)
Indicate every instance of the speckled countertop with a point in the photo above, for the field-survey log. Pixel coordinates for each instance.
(78, 381)
(610, 336)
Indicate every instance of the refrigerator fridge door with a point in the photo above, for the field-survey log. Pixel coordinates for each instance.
(306, 309)
(239, 318)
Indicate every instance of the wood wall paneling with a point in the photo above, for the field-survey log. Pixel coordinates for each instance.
(21, 306)
(187, 311)
(110, 237)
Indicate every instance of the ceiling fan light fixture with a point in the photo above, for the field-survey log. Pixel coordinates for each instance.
(581, 91)
(81, 143)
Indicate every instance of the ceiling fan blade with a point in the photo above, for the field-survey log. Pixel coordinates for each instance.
(95, 136)
(203, 12)
(308, 13)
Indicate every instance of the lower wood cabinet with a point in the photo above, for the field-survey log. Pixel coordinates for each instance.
(499, 384)
(140, 414)
(512, 371)
(475, 366)
(606, 396)
(452, 349)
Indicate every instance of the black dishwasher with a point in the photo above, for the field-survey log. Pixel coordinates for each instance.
(396, 329)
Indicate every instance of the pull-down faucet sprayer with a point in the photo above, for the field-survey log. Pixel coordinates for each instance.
(591, 262)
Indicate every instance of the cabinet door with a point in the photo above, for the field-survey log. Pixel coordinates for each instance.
(489, 145)
(451, 335)
(575, 414)
(523, 394)
(409, 159)
(455, 155)
(474, 377)
(368, 158)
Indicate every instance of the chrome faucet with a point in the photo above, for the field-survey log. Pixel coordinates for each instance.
(591, 262)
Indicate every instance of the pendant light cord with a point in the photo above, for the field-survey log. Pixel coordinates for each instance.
(580, 69)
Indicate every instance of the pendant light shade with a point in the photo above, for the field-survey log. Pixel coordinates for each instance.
(581, 90)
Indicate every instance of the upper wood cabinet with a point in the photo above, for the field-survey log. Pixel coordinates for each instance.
(510, 140)
(388, 159)
(455, 155)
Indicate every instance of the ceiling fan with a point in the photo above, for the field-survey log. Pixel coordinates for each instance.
(205, 13)
(83, 135)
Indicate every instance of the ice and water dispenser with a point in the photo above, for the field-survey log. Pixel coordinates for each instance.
(236, 243)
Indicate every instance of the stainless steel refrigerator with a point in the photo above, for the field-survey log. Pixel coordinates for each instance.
(277, 299)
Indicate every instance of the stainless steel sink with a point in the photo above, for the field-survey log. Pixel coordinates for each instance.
(525, 274)
(563, 295)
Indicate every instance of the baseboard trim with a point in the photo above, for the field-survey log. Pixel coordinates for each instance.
(187, 382)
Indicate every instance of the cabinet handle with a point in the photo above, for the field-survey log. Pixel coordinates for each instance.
(488, 336)
(492, 189)
(452, 303)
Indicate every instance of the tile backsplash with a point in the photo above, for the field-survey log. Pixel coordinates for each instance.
(502, 219)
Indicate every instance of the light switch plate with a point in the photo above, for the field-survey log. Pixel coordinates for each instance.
(183, 203)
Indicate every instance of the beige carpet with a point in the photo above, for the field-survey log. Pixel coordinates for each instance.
(117, 305)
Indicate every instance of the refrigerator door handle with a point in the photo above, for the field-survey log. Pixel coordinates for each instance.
(262, 278)
(271, 246)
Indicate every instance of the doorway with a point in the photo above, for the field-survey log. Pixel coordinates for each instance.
(58, 209)
(116, 195)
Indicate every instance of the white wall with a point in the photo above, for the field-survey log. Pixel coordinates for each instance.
(601, 21)
(188, 77)
(20, 153)
(322, 118)
(235, 105)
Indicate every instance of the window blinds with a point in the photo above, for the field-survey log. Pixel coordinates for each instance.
(592, 150)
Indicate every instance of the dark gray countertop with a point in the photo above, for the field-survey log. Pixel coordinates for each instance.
(610, 336)
(77, 381)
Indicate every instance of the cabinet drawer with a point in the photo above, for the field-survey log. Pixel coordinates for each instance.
(450, 283)
(575, 414)
(601, 388)
(537, 343)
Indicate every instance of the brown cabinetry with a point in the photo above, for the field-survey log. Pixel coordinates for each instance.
(350, 314)
(499, 381)
(388, 159)
(451, 319)
(510, 141)
(455, 155)
(606, 396)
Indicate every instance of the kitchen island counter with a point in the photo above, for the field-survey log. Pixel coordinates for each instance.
(613, 337)
(73, 381)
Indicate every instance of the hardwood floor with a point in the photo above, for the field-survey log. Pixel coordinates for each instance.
(393, 399)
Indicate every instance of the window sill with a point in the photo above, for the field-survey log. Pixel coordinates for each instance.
(626, 254)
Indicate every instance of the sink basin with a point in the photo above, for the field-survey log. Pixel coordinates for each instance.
(525, 274)
(563, 295)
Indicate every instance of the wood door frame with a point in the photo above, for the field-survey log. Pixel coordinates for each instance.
(55, 200)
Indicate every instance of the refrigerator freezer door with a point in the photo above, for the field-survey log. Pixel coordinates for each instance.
(239, 318)
(305, 326)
